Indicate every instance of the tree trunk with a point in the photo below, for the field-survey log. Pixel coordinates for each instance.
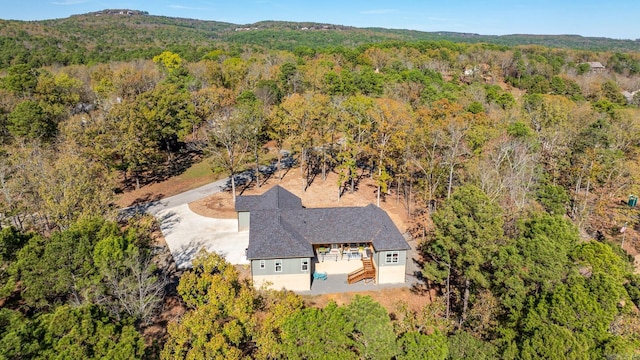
(170, 158)
(465, 300)
(587, 189)
(257, 154)
(448, 291)
(324, 164)
(233, 187)
(409, 198)
(353, 181)
(47, 223)
(302, 172)
(19, 222)
(450, 181)
(378, 195)
(278, 164)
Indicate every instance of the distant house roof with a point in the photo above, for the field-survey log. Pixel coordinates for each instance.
(629, 95)
(595, 65)
(291, 232)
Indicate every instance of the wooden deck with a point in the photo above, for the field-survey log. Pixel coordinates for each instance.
(367, 272)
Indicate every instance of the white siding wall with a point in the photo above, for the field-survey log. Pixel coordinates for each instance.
(293, 282)
(338, 267)
(391, 274)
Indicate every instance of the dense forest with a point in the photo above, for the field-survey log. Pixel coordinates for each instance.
(515, 163)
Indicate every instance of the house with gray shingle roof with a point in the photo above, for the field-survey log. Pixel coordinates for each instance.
(289, 243)
(596, 67)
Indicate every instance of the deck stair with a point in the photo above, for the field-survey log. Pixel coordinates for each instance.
(367, 272)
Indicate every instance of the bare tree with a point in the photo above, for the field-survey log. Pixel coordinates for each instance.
(390, 121)
(508, 171)
(229, 139)
(452, 124)
(135, 287)
(426, 158)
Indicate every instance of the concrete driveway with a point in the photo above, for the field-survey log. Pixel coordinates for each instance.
(186, 233)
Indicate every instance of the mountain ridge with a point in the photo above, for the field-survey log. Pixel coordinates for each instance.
(125, 34)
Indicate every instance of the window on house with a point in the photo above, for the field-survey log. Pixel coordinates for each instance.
(392, 257)
(263, 264)
(278, 265)
(304, 265)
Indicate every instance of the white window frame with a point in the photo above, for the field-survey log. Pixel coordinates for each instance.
(263, 264)
(277, 264)
(392, 257)
(304, 265)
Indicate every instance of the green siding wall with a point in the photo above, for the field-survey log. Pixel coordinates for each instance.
(382, 256)
(289, 266)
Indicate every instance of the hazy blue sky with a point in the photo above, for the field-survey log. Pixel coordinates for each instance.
(613, 18)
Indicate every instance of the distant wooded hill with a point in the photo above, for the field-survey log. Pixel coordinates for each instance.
(110, 35)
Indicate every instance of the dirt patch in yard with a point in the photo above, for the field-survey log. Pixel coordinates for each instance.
(389, 298)
(190, 171)
(161, 190)
(321, 193)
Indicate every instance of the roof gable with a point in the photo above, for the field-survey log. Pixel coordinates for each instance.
(275, 198)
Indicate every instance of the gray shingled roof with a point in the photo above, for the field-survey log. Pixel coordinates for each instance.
(346, 225)
(272, 238)
(290, 232)
(275, 198)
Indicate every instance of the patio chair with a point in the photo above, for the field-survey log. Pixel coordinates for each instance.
(320, 276)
